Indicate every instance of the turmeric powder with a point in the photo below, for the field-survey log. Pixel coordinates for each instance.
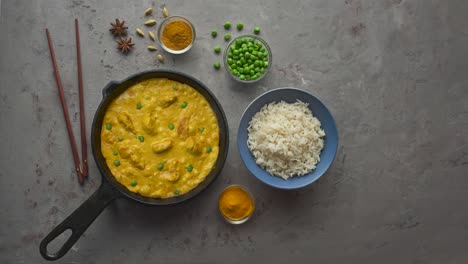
(235, 203)
(177, 35)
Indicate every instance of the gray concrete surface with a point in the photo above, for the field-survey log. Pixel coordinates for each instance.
(393, 72)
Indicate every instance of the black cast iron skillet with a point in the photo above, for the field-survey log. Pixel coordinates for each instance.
(110, 188)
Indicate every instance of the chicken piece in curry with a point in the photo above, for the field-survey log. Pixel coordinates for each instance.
(160, 138)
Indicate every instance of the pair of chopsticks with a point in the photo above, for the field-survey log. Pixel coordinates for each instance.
(81, 169)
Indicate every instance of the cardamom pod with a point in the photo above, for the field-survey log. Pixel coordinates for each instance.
(148, 11)
(140, 32)
(152, 48)
(165, 12)
(150, 22)
(160, 58)
(151, 35)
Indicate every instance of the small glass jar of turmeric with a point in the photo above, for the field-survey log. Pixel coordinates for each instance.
(236, 204)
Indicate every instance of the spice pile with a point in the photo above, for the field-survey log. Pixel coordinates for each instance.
(120, 30)
(235, 203)
(177, 35)
(125, 44)
(247, 58)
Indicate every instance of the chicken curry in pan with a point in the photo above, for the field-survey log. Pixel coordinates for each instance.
(160, 138)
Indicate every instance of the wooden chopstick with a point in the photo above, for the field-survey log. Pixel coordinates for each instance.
(84, 149)
(65, 109)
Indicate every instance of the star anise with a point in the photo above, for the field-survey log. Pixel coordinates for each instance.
(125, 45)
(118, 28)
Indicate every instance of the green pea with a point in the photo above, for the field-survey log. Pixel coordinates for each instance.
(139, 106)
(174, 87)
(265, 63)
(227, 36)
(108, 126)
(201, 129)
(115, 152)
(240, 26)
(117, 163)
(133, 183)
(214, 33)
(217, 65)
(230, 54)
(208, 149)
(160, 166)
(184, 105)
(227, 25)
(176, 192)
(171, 126)
(247, 59)
(120, 138)
(189, 168)
(141, 138)
(217, 49)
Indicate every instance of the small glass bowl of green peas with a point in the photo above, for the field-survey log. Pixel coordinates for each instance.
(247, 58)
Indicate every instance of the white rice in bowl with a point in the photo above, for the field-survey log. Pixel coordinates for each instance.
(285, 139)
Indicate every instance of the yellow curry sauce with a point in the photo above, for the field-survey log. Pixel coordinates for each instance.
(160, 138)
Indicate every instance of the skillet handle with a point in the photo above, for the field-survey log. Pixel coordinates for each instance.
(79, 220)
(110, 87)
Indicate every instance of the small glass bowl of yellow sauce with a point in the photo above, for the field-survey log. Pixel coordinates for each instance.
(236, 204)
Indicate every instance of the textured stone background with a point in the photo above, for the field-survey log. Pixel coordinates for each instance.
(393, 72)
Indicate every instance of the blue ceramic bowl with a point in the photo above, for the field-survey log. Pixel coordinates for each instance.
(319, 110)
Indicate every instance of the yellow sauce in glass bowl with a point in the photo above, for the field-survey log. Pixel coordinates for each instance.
(160, 138)
(236, 204)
